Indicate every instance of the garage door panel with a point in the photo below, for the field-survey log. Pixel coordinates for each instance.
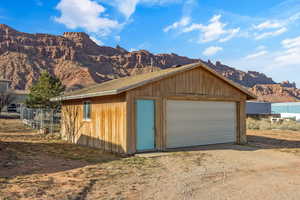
(192, 123)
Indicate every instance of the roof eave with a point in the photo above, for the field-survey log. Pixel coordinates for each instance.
(83, 96)
(251, 97)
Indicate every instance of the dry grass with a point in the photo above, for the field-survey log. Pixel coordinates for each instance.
(281, 140)
(24, 140)
(33, 166)
(12, 126)
(265, 124)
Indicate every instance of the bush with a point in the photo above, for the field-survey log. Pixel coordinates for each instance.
(289, 125)
(252, 124)
(265, 124)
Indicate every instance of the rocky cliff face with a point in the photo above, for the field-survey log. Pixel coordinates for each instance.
(247, 79)
(276, 92)
(288, 84)
(78, 61)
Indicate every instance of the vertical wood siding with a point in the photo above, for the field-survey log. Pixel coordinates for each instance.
(107, 127)
(112, 124)
(194, 82)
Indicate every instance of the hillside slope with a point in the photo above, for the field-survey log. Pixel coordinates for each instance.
(78, 61)
(281, 92)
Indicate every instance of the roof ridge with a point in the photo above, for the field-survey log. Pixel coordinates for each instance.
(111, 88)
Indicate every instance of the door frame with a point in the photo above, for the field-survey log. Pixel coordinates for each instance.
(154, 99)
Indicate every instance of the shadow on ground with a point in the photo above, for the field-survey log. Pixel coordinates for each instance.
(23, 152)
(254, 143)
(264, 142)
(37, 157)
(9, 115)
(26, 158)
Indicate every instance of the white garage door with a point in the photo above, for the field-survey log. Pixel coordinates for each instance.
(191, 123)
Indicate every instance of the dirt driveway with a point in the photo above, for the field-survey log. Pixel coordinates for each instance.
(33, 167)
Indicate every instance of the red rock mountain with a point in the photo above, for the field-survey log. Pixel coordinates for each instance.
(78, 61)
(282, 92)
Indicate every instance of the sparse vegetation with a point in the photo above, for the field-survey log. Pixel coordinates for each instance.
(140, 162)
(12, 125)
(265, 124)
(35, 167)
(71, 122)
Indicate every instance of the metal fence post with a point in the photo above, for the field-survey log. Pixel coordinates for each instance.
(41, 117)
(52, 120)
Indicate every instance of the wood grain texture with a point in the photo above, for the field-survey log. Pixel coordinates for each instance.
(196, 81)
(107, 126)
(197, 84)
(242, 123)
(112, 126)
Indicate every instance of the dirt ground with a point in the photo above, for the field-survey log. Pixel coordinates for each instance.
(33, 166)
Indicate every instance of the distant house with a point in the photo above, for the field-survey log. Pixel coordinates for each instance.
(254, 108)
(19, 96)
(287, 110)
(4, 85)
(181, 106)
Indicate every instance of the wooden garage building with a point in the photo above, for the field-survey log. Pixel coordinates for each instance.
(177, 107)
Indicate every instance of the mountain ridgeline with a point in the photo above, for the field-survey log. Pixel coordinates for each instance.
(78, 61)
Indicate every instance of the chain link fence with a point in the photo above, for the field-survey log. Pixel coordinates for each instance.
(45, 120)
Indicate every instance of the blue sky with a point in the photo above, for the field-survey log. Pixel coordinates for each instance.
(260, 35)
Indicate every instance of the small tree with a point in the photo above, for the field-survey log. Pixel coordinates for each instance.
(70, 122)
(40, 93)
(6, 98)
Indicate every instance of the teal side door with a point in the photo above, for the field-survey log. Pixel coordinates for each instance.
(145, 125)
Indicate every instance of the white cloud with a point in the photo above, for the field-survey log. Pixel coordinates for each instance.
(97, 41)
(184, 21)
(132, 49)
(286, 58)
(261, 47)
(257, 54)
(289, 57)
(128, 7)
(294, 17)
(160, 2)
(268, 25)
(270, 33)
(212, 50)
(231, 34)
(118, 38)
(85, 14)
(291, 42)
(274, 27)
(278, 27)
(213, 31)
(291, 54)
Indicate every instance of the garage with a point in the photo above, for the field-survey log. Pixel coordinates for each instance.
(192, 123)
(181, 106)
